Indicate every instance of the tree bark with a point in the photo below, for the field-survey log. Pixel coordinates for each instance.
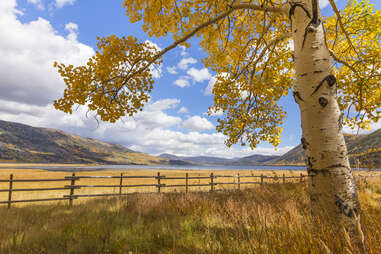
(332, 189)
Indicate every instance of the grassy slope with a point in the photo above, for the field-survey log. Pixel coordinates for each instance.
(271, 219)
(23, 143)
(355, 145)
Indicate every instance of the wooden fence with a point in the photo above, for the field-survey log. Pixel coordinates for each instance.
(73, 184)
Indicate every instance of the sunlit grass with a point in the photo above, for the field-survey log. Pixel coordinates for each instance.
(42, 174)
(267, 219)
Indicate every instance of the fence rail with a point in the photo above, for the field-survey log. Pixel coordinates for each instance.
(72, 185)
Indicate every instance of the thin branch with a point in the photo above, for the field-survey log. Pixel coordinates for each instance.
(342, 62)
(283, 9)
(334, 7)
(234, 7)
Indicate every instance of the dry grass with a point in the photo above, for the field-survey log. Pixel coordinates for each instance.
(268, 219)
(41, 174)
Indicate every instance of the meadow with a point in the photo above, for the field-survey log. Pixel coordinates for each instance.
(42, 174)
(261, 219)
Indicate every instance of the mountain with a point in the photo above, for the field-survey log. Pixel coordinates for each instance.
(23, 143)
(363, 151)
(255, 159)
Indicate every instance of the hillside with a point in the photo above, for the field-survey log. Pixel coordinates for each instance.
(256, 159)
(23, 143)
(362, 149)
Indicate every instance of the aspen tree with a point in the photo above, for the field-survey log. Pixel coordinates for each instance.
(259, 50)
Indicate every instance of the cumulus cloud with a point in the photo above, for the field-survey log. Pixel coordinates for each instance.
(213, 112)
(324, 3)
(27, 54)
(181, 82)
(209, 89)
(73, 31)
(149, 131)
(197, 123)
(199, 75)
(172, 70)
(38, 3)
(183, 51)
(29, 84)
(373, 127)
(155, 70)
(185, 62)
(183, 110)
(62, 3)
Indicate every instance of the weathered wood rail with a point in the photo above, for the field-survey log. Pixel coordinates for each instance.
(158, 182)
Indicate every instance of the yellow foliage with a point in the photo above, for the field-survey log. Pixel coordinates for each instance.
(249, 50)
(110, 82)
(359, 79)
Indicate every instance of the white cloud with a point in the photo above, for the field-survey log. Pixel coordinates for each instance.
(172, 70)
(73, 31)
(209, 89)
(62, 3)
(183, 50)
(148, 131)
(373, 127)
(213, 112)
(152, 44)
(27, 54)
(324, 3)
(38, 3)
(183, 110)
(197, 123)
(29, 83)
(155, 69)
(199, 75)
(164, 104)
(181, 82)
(185, 62)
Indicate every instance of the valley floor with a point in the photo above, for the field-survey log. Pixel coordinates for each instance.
(268, 219)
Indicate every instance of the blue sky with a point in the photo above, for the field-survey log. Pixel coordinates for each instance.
(37, 32)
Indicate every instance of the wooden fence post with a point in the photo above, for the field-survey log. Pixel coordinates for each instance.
(284, 178)
(211, 182)
(239, 182)
(158, 182)
(10, 190)
(261, 179)
(72, 190)
(301, 177)
(120, 183)
(186, 182)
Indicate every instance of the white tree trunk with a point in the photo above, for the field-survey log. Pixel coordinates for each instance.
(332, 188)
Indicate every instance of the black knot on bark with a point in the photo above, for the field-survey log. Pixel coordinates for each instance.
(304, 143)
(323, 102)
(311, 29)
(331, 80)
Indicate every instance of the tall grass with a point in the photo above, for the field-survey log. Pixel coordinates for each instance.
(267, 219)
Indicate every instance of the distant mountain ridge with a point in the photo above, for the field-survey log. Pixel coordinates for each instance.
(256, 159)
(363, 151)
(23, 143)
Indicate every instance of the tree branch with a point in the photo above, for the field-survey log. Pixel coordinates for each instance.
(342, 62)
(339, 19)
(283, 9)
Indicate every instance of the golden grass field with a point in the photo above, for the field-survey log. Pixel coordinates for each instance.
(273, 219)
(268, 219)
(43, 174)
